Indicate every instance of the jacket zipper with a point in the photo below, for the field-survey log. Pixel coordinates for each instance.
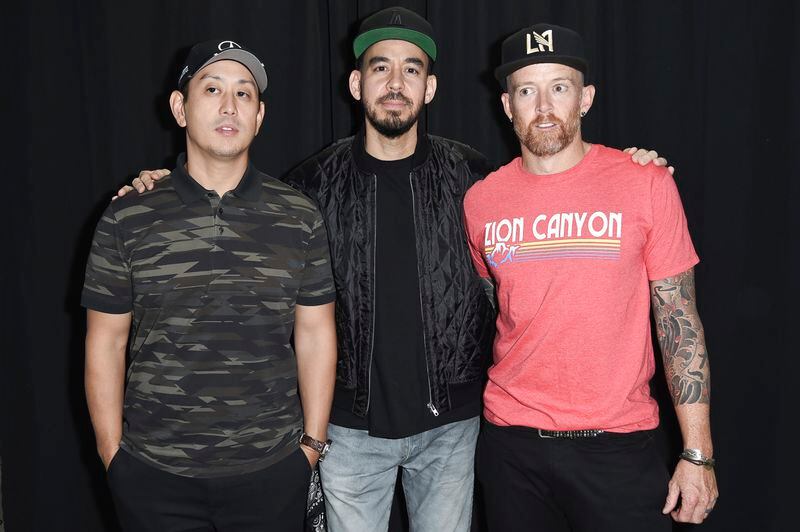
(374, 247)
(430, 405)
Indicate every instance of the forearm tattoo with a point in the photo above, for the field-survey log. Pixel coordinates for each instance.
(681, 337)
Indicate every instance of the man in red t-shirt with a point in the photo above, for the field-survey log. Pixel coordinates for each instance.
(580, 244)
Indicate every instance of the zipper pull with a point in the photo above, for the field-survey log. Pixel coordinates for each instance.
(432, 408)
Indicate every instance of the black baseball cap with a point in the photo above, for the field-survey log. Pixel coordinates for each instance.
(204, 53)
(541, 43)
(395, 23)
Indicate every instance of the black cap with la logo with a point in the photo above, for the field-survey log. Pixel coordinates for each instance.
(541, 43)
(204, 53)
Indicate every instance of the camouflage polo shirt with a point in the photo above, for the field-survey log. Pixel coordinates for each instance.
(212, 282)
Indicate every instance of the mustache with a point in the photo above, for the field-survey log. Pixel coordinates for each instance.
(395, 96)
(547, 118)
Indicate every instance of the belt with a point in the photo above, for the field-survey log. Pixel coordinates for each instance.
(569, 434)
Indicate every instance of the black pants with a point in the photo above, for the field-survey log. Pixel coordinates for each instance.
(148, 499)
(610, 483)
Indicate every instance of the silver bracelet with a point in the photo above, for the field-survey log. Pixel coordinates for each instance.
(696, 457)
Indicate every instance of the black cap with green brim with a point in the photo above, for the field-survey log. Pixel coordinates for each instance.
(395, 23)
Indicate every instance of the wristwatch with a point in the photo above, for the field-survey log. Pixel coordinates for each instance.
(322, 447)
(696, 457)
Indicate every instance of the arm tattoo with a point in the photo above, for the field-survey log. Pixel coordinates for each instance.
(681, 337)
(488, 287)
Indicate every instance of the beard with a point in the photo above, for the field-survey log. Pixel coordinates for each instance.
(545, 143)
(393, 125)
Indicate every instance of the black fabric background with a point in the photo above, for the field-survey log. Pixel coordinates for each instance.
(709, 84)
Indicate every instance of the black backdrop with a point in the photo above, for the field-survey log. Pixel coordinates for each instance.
(710, 85)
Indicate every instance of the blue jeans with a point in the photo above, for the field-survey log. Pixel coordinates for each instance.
(359, 474)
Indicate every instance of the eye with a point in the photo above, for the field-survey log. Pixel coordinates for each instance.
(212, 90)
(380, 68)
(412, 70)
(560, 88)
(243, 94)
(525, 91)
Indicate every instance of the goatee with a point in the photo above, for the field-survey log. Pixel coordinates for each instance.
(393, 125)
(543, 143)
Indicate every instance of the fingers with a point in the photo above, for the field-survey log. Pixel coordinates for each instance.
(630, 150)
(672, 498)
(139, 184)
(147, 179)
(121, 192)
(671, 170)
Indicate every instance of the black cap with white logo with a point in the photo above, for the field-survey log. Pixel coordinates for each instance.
(204, 53)
(541, 43)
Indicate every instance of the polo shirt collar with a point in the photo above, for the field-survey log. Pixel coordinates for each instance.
(189, 190)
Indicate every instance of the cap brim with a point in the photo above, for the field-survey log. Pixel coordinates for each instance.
(503, 71)
(368, 38)
(250, 62)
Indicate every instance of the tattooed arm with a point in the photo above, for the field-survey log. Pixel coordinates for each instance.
(683, 346)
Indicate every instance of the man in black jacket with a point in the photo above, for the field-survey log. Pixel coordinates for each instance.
(414, 324)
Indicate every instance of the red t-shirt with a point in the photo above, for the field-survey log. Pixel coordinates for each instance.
(571, 255)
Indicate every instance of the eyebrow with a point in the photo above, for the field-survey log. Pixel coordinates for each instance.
(380, 59)
(531, 82)
(219, 78)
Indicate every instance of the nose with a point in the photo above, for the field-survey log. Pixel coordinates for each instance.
(395, 82)
(228, 104)
(543, 103)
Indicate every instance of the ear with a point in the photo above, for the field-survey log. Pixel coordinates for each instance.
(506, 99)
(587, 98)
(176, 106)
(355, 84)
(262, 109)
(430, 88)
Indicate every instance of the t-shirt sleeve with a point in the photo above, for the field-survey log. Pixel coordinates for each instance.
(669, 249)
(107, 285)
(317, 287)
(474, 238)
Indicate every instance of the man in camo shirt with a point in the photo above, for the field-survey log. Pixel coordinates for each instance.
(203, 282)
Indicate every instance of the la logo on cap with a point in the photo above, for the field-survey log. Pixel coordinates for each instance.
(544, 42)
(396, 20)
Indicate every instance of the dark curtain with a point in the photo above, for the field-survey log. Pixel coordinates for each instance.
(710, 85)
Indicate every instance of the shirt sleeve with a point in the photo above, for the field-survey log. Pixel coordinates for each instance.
(317, 287)
(107, 285)
(474, 239)
(669, 249)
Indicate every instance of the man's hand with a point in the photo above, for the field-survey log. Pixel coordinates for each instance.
(697, 488)
(146, 181)
(645, 157)
(311, 455)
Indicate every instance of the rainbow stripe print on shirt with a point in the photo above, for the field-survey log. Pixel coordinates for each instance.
(565, 235)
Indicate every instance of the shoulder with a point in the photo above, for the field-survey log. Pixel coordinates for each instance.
(134, 205)
(460, 152)
(623, 166)
(493, 180)
(319, 163)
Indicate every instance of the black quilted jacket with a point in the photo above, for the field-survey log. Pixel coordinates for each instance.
(457, 318)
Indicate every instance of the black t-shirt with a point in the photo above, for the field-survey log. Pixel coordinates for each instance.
(399, 384)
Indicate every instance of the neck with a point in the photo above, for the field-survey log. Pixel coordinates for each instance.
(215, 173)
(559, 162)
(386, 149)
